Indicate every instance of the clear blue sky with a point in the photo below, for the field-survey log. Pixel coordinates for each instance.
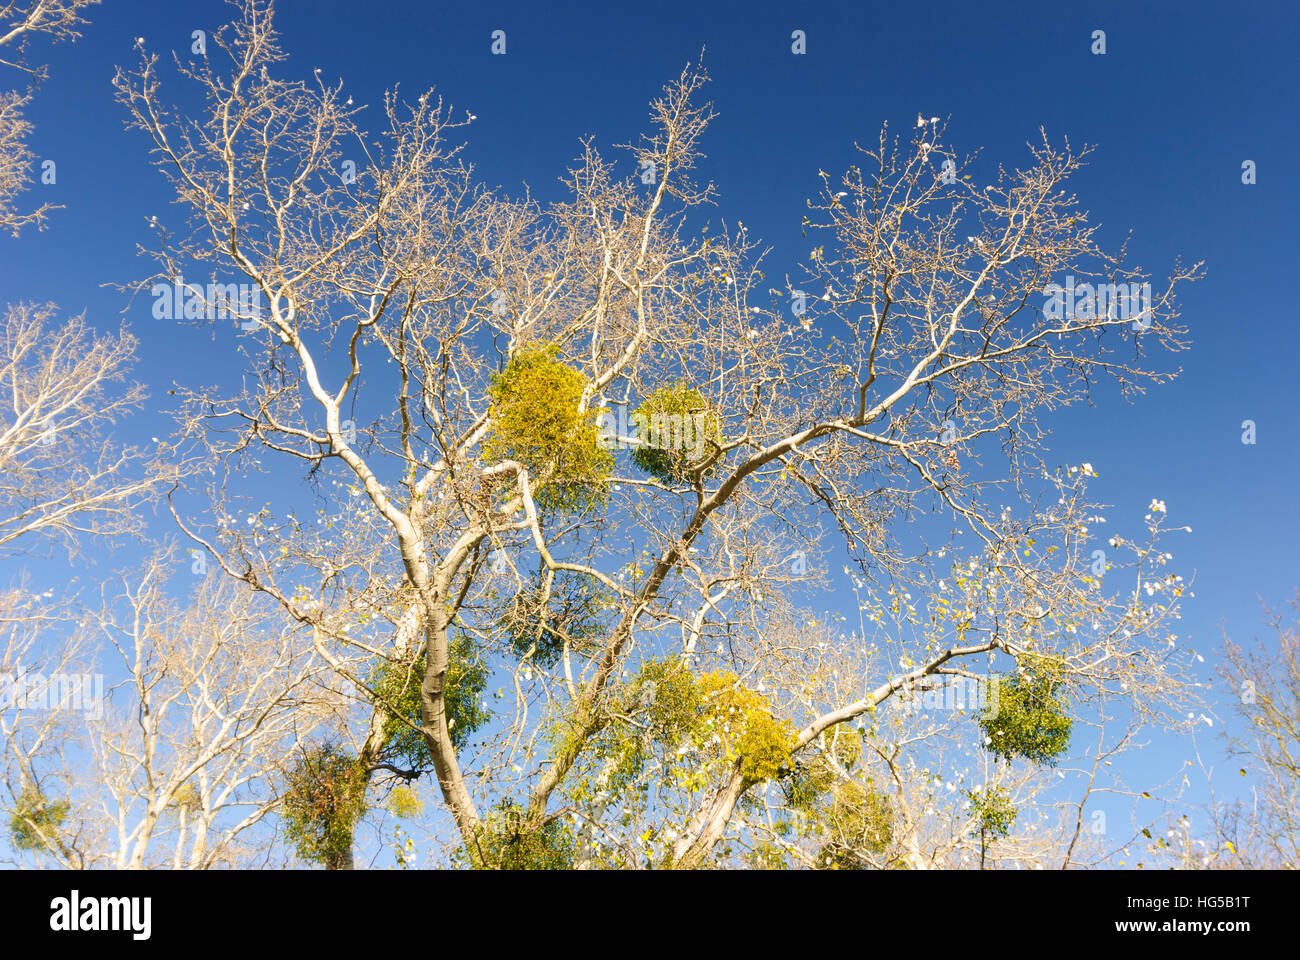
(1185, 93)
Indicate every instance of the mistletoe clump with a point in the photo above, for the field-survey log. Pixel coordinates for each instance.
(741, 720)
(1031, 719)
(858, 821)
(187, 799)
(536, 420)
(678, 431)
(810, 779)
(993, 811)
(574, 611)
(510, 843)
(670, 694)
(713, 711)
(324, 798)
(665, 699)
(850, 817)
(405, 803)
(36, 820)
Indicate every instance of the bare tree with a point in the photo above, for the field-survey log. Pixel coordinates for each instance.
(63, 384)
(65, 483)
(180, 764)
(441, 361)
(46, 688)
(21, 22)
(61, 477)
(1265, 684)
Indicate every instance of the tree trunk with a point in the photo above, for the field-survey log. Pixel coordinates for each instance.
(433, 714)
(706, 829)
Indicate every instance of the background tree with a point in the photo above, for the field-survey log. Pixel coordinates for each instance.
(66, 484)
(1264, 832)
(21, 23)
(62, 478)
(183, 762)
(39, 650)
(63, 384)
